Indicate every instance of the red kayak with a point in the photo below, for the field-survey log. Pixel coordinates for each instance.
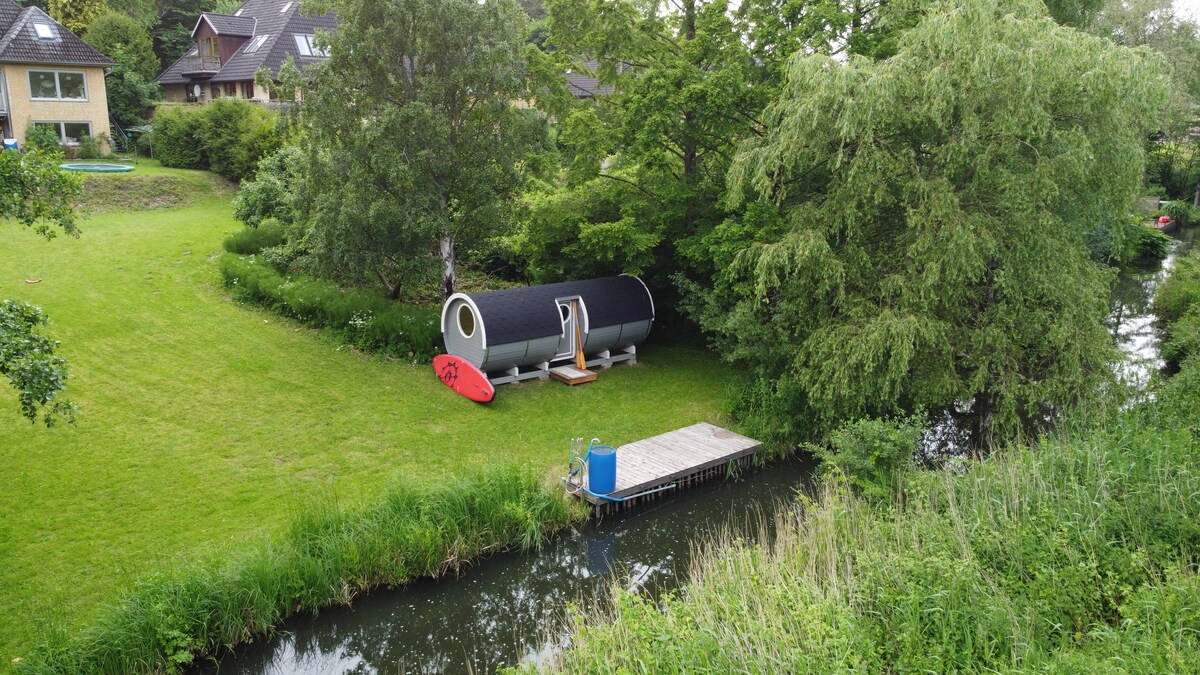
(464, 378)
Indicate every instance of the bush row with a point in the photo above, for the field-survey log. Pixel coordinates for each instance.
(367, 320)
(252, 240)
(1075, 556)
(327, 556)
(1177, 305)
(228, 136)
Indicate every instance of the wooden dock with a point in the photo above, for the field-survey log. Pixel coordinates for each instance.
(676, 457)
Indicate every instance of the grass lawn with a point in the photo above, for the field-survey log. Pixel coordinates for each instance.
(205, 423)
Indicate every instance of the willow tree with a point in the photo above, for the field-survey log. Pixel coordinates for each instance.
(914, 237)
(416, 136)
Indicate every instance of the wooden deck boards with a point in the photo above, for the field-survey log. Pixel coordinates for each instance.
(571, 376)
(663, 459)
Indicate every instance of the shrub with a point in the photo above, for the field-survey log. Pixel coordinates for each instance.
(1182, 338)
(177, 139)
(251, 240)
(236, 134)
(1146, 243)
(1180, 291)
(90, 147)
(1177, 304)
(365, 319)
(42, 138)
(271, 192)
(872, 453)
(228, 136)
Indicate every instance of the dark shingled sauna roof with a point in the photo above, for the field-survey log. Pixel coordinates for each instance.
(519, 314)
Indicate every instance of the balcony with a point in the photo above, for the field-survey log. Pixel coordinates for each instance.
(200, 66)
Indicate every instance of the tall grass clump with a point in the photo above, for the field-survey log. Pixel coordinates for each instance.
(367, 320)
(252, 240)
(1079, 555)
(1177, 304)
(328, 556)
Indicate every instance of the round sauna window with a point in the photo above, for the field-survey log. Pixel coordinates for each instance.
(466, 320)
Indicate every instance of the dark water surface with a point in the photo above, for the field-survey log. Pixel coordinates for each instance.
(504, 609)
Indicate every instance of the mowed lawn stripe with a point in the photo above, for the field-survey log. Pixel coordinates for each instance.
(205, 423)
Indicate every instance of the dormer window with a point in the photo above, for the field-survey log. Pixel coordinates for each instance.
(306, 47)
(256, 44)
(44, 31)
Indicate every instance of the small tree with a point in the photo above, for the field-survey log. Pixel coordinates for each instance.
(415, 138)
(36, 193)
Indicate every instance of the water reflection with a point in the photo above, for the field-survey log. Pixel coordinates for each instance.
(1131, 316)
(502, 611)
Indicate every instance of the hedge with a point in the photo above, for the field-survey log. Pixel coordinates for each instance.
(366, 320)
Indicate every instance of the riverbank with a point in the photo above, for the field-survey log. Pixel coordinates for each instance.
(1076, 555)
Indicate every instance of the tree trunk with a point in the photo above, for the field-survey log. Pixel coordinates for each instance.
(981, 423)
(1196, 199)
(446, 249)
(393, 290)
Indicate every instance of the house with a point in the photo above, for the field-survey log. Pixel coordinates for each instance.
(582, 83)
(231, 48)
(49, 77)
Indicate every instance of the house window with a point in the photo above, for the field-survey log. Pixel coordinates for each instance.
(57, 85)
(69, 133)
(44, 31)
(248, 89)
(210, 52)
(256, 44)
(306, 47)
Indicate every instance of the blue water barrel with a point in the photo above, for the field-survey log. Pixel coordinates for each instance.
(602, 469)
(10, 144)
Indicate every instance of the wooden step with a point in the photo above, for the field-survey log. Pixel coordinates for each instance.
(572, 376)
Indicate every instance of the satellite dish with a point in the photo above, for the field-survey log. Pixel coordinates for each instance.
(196, 90)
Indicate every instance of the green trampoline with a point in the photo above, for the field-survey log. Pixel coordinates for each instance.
(98, 168)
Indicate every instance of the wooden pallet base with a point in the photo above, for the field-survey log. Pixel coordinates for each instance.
(572, 376)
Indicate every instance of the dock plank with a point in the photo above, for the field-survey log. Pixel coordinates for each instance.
(660, 460)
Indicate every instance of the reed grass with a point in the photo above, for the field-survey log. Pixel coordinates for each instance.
(1076, 556)
(327, 556)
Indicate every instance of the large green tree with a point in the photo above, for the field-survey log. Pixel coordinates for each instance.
(914, 232)
(415, 139)
(35, 192)
(1155, 24)
(76, 15)
(689, 80)
(130, 84)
